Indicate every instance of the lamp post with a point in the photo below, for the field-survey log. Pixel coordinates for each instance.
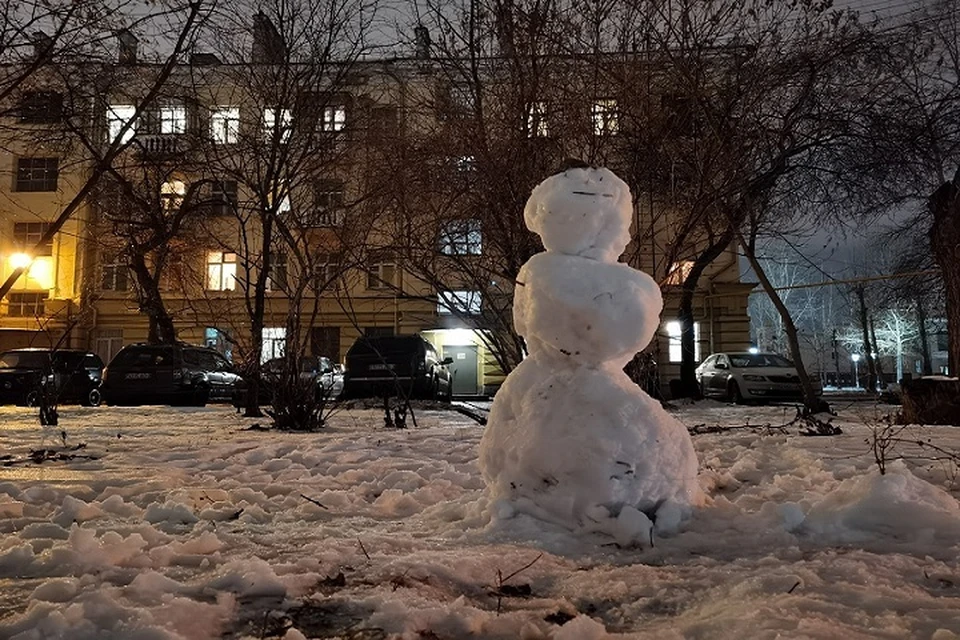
(856, 370)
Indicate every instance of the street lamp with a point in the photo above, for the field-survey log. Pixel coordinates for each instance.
(856, 370)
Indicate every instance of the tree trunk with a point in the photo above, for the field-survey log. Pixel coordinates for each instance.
(867, 346)
(688, 348)
(162, 330)
(927, 365)
(252, 409)
(875, 354)
(811, 400)
(944, 204)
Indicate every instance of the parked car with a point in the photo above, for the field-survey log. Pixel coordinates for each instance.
(396, 365)
(739, 377)
(328, 377)
(67, 375)
(176, 374)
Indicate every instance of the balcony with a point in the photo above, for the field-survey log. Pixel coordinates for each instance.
(160, 146)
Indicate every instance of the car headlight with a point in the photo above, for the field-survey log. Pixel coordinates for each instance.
(753, 378)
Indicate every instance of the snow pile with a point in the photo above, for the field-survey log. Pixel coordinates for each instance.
(897, 505)
(570, 439)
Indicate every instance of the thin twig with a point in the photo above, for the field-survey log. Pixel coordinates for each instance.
(362, 548)
(316, 502)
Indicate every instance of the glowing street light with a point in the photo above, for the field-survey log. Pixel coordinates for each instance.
(856, 370)
(20, 260)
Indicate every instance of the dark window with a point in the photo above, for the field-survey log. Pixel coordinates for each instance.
(277, 278)
(143, 357)
(41, 107)
(224, 197)
(325, 341)
(26, 235)
(115, 275)
(26, 305)
(24, 359)
(328, 203)
(37, 174)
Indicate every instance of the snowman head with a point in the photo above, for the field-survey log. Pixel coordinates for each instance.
(581, 212)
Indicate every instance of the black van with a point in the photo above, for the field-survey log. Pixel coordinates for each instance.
(68, 375)
(176, 374)
(396, 365)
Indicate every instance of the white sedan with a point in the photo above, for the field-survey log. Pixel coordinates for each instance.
(740, 377)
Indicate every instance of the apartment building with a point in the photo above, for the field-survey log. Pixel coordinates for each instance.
(316, 204)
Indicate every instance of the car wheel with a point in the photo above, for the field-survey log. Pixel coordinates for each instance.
(448, 396)
(733, 393)
(200, 397)
(93, 398)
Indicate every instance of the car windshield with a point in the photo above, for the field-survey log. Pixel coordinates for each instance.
(143, 356)
(750, 360)
(386, 346)
(24, 360)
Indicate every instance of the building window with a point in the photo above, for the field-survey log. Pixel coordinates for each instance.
(225, 125)
(537, 120)
(328, 204)
(118, 115)
(223, 197)
(277, 273)
(461, 238)
(459, 302)
(26, 304)
(26, 235)
(274, 341)
(114, 275)
(679, 271)
(278, 121)
(334, 118)
(172, 193)
(378, 332)
(108, 343)
(381, 275)
(606, 119)
(37, 174)
(326, 270)
(675, 346)
(173, 119)
(41, 107)
(221, 271)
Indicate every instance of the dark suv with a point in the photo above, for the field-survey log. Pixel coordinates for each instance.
(176, 374)
(396, 365)
(66, 375)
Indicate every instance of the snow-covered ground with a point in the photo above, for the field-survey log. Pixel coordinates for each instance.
(186, 525)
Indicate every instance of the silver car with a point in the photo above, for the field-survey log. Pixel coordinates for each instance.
(740, 377)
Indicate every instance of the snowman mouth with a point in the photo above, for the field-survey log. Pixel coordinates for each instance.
(591, 193)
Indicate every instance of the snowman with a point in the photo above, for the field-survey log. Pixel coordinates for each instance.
(570, 438)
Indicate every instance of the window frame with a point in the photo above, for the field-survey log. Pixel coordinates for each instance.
(461, 237)
(271, 120)
(34, 174)
(26, 236)
(225, 278)
(605, 116)
(467, 302)
(118, 115)
(225, 124)
(22, 305)
(173, 119)
(674, 333)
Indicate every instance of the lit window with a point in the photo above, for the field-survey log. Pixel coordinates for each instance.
(274, 341)
(605, 117)
(676, 348)
(459, 302)
(118, 115)
(278, 121)
(381, 275)
(171, 194)
(537, 120)
(679, 272)
(173, 120)
(221, 271)
(461, 238)
(333, 118)
(225, 125)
